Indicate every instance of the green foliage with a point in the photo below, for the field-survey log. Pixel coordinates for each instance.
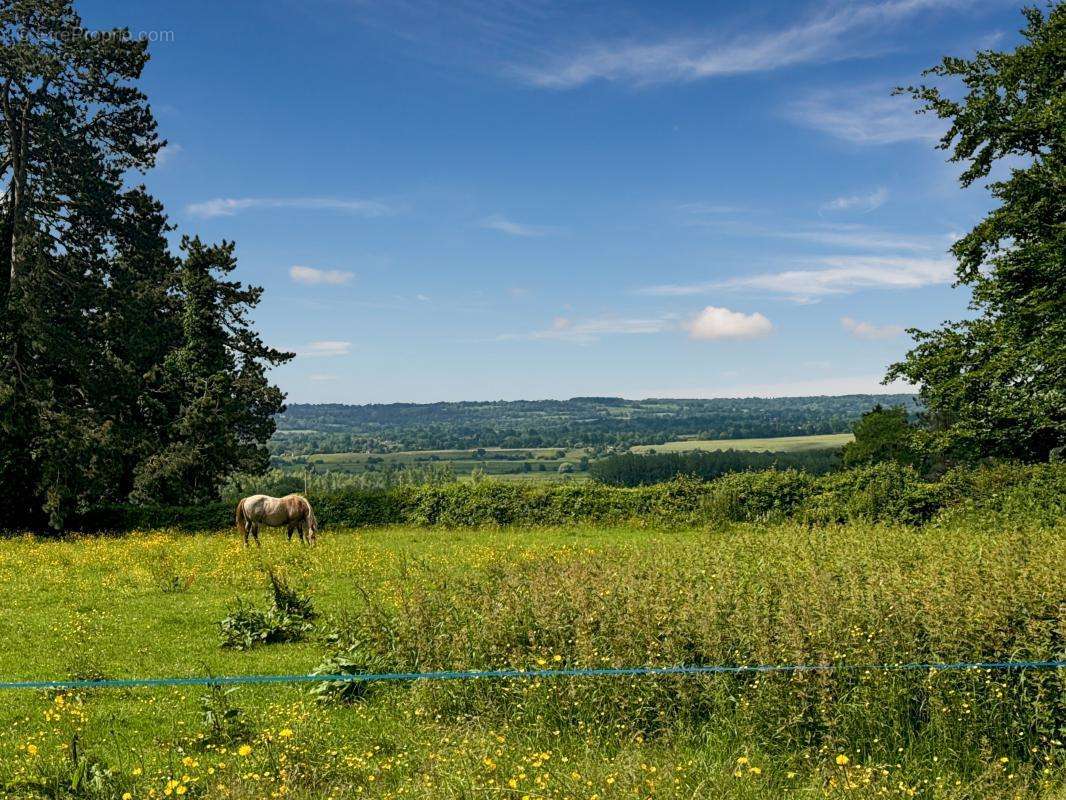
(632, 469)
(125, 372)
(352, 659)
(758, 496)
(883, 434)
(288, 600)
(887, 492)
(224, 723)
(762, 595)
(77, 776)
(995, 385)
(288, 619)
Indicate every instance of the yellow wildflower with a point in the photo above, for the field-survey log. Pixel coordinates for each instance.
(842, 760)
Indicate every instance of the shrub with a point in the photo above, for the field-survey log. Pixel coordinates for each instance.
(288, 619)
(224, 723)
(758, 496)
(886, 492)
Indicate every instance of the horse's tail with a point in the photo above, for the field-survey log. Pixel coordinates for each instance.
(241, 519)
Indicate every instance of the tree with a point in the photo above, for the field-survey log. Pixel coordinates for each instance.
(124, 371)
(215, 387)
(883, 434)
(996, 385)
(71, 126)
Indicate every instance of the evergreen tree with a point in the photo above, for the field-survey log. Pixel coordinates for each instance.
(220, 402)
(71, 125)
(996, 385)
(124, 371)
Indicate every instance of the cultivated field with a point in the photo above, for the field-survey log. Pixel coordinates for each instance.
(420, 599)
(779, 444)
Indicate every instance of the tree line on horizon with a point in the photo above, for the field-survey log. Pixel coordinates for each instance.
(598, 422)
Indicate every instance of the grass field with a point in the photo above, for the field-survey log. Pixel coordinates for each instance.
(542, 463)
(414, 599)
(780, 444)
(530, 463)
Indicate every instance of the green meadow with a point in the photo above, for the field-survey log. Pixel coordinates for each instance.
(414, 599)
(777, 444)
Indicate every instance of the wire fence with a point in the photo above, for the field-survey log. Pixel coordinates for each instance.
(499, 674)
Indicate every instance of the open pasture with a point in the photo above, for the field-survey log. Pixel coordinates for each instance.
(399, 599)
(530, 463)
(776, 444)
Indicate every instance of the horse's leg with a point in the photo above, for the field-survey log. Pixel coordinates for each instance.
(247, 530)
(288, 533)
(255, 533)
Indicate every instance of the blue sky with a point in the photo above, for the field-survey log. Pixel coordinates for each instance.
(522, 199)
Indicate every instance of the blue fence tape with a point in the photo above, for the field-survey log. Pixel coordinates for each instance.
(449, 675)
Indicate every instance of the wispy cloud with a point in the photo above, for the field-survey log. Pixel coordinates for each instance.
(722, 323)
(327, 348)
(566, 329)
(836, 275)
(315, 277)
(498, 222)
(228, 206)
(845, 31)
(865, 115)
(168, 154)
(867, 330)
(828, 385)
(863, 203)
(862, 237)
(322, 376)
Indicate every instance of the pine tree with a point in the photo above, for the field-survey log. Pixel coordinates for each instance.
(220, 402)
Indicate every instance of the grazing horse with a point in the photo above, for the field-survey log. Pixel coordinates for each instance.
(291, 511)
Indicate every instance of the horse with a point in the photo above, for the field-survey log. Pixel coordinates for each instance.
(291, 511)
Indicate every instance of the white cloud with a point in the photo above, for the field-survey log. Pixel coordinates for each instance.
(861, 237)
(847, 31)
(838, 275)
(722, 323)
(565, 329)
(867, 330)
(228, 206)
(320, 377)
(168, 153)
(829, 385)
(863, 203)
(498, 222)
(315, 277)
(867, 115)
(325, 349)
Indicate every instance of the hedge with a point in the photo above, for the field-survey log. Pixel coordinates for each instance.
(888, 493)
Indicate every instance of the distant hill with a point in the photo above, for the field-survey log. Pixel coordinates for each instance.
(578, 422)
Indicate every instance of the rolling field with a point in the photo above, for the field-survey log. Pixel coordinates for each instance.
(779, 444)
(542, 463)
(418, 599)
(536, 463)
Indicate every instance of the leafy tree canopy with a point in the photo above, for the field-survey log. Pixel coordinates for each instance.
(995, 385)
